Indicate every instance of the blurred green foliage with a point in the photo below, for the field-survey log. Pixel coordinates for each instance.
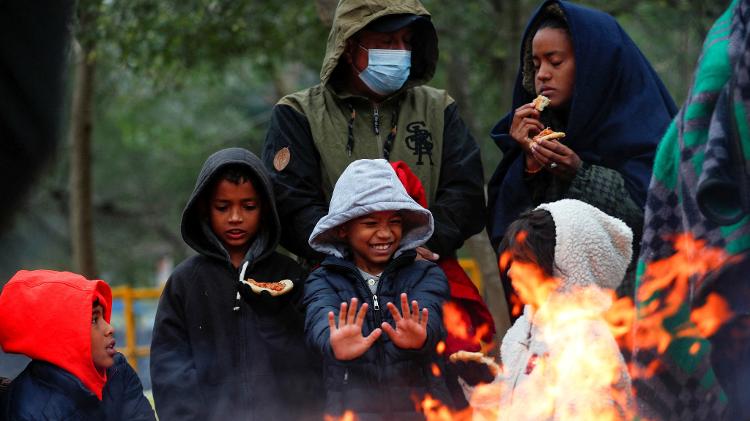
(177, 80)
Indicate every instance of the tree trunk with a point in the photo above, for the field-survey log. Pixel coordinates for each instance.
(81, 213)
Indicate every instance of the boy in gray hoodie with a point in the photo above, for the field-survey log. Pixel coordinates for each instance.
(369, 235)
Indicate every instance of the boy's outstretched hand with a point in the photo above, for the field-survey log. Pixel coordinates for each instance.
(347, 341)
(410, 331)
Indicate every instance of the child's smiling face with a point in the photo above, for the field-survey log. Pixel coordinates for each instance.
(373, 239)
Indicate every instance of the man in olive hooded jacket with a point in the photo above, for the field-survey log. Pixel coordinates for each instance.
(372, 102)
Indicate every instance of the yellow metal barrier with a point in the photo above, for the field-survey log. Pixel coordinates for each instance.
(472, 269)
(128, 295)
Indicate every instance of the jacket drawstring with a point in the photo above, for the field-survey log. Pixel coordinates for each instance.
(242, 279)
(391, 135)
(387, 146)
(350, 136)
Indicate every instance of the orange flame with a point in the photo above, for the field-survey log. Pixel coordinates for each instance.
(434, 410)
(666, 287)
(436, 370)
(348, 416)
(578, 366)
(530, 282)
(709, 318)
(581, 367)
(456, 322)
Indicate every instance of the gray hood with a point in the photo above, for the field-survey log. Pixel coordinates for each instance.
(367, 186)
(196, 230)
(591, 247)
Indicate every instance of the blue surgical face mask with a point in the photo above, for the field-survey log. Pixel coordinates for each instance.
(386, 71)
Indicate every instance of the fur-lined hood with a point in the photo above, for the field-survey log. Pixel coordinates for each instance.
(591, 247)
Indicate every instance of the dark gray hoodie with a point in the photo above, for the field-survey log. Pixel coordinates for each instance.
(215, 356)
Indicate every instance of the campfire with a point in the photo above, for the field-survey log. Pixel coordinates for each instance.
(584, 368)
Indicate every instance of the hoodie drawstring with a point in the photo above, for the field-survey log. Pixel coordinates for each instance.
(387, 146)
(350, 136)
(391, 135)
(242, 279)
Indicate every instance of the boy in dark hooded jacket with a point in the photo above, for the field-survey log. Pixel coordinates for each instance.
(219, 350)
(370, 234)
(61, 321)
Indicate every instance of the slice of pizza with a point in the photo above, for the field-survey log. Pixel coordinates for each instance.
(548, 134)
(476, 357)
(540, 102)
(274, 288)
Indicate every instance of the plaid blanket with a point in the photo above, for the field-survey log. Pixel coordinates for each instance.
(700, 187)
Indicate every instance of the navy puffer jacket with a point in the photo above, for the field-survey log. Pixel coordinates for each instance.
(44, 391)
(384, 382)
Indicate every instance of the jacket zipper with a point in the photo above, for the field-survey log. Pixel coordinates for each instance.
(241, 323)
(381, 354)
(379, 321)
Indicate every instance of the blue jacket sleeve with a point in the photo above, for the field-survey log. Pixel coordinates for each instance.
(319, 300)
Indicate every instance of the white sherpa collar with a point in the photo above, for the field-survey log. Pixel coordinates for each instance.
(591, 247)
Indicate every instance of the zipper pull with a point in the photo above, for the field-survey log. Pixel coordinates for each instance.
(375, 304)
(376, 120)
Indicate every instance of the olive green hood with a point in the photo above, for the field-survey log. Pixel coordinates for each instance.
(353, 15)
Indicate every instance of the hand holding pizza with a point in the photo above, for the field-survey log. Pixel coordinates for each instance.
(556, 158)
(525, 125)
(410, 331)
(347, 341)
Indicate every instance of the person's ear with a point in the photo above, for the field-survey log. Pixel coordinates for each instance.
(342, 231)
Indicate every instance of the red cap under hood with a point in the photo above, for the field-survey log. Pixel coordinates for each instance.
(46, 315)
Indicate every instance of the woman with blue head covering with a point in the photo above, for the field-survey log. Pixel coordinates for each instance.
(607, 99)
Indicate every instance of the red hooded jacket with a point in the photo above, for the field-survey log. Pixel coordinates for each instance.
(46, 315)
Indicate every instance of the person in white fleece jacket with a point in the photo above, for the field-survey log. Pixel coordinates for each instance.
(560, 360)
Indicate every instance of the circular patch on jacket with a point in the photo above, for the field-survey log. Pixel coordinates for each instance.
(281, 159)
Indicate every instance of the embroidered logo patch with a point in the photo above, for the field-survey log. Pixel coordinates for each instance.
(281, 159)
(419, 141)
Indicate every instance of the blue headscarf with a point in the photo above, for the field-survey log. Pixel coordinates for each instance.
(618, 112)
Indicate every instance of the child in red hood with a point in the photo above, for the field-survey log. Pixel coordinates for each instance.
(61, 321)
